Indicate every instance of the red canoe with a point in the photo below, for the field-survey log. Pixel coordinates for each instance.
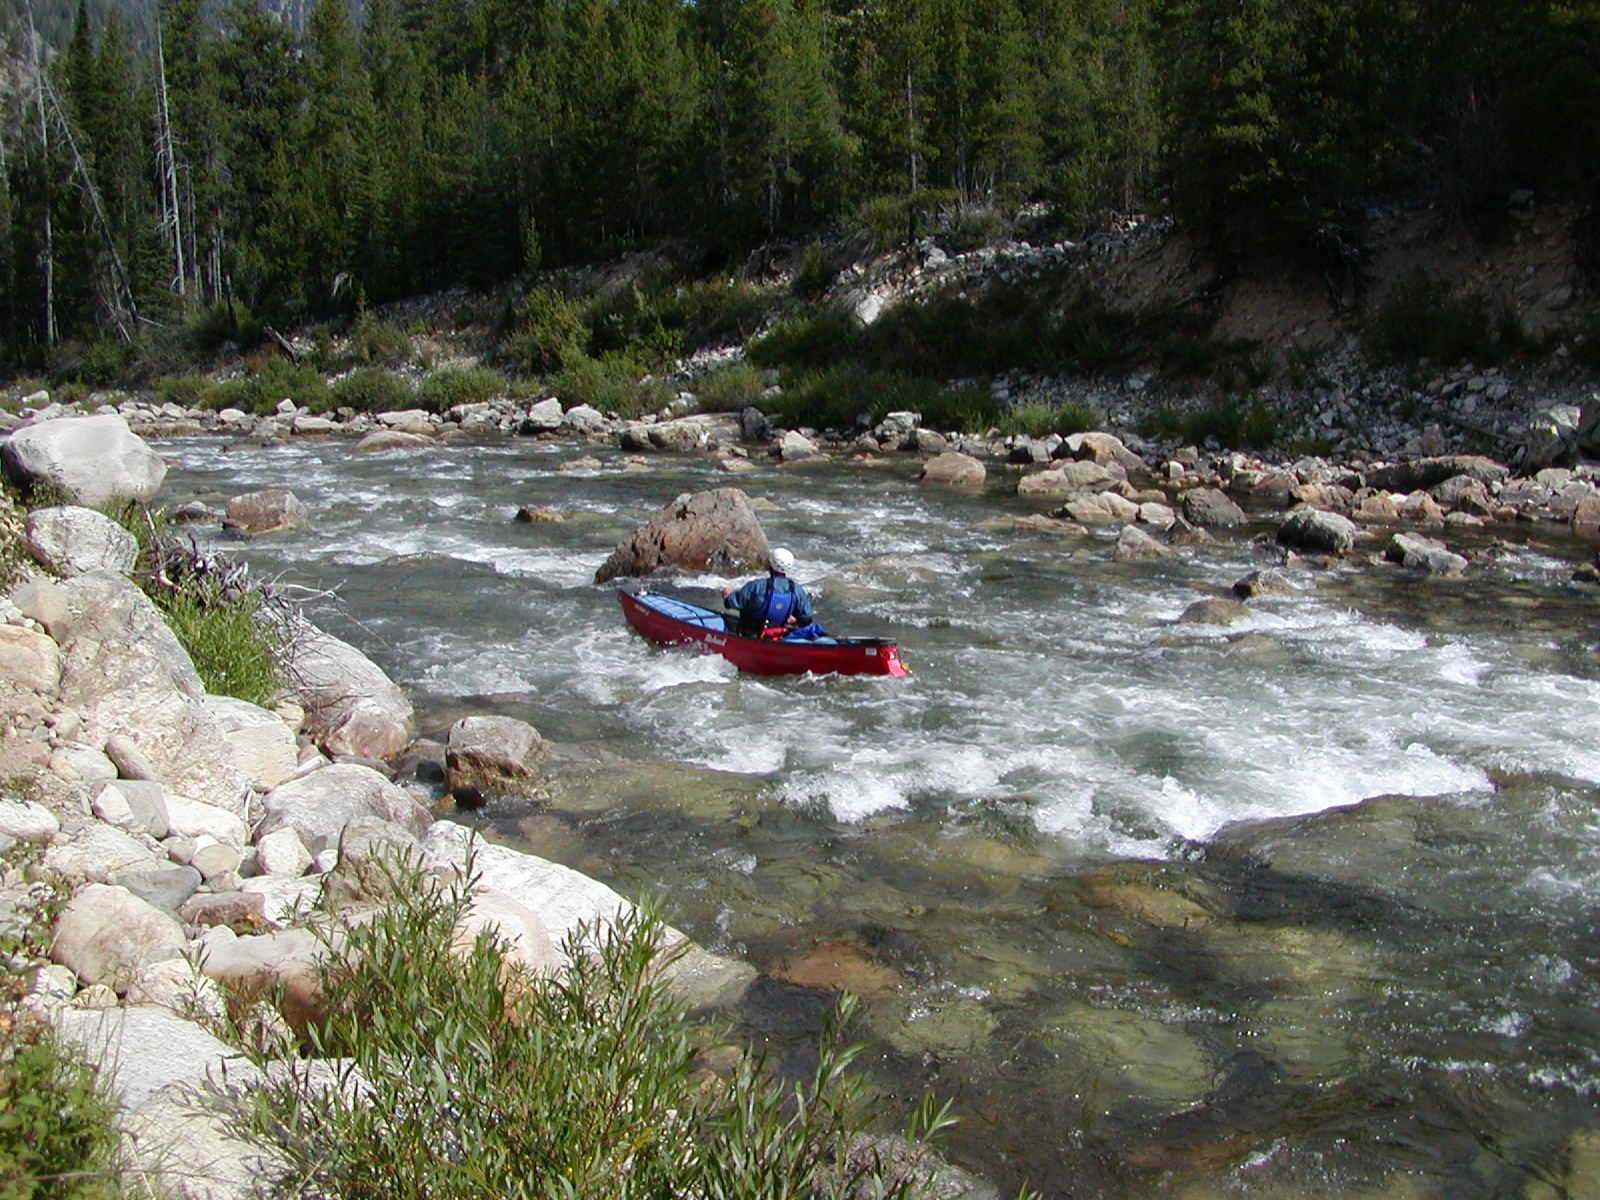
(669, 621)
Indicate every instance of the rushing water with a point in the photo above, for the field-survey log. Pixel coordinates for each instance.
(1018, 856)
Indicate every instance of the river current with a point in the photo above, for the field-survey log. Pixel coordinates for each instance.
(1091, 868)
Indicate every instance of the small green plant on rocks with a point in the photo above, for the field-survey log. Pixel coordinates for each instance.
(480, 1079)
(374, 389)
(56, 1134)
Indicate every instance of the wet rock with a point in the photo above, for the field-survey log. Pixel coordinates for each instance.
(1068, 478)
(495, 755)
(1424, 554)
(1262, 583)
(1376, 508)
(1214, 610)
(953, 469)
(1149, 896)
(1128, 1055)
(270, 511)
(839, 966)
(1317, 530)
(1135, 545)
(713, 531)
(539, 516)
(1209, 508)
(380, 440)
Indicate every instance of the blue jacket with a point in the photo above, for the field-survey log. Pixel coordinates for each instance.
(772, 601)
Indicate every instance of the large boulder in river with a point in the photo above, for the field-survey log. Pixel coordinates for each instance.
(699, 531)
(94, 460)
(267, 511)
(352, 707)
(1314, 529)
(493, 754)
(953, 469)
(1209, 508)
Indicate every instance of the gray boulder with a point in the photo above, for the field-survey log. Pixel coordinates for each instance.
(495, 755)
(94, 460)
(1316, 530)
(713, 531)
(1135, 545)
(73, 540)
(1424, 554)
(351, 707)
(318, 806)
(126, 674)
(1208, 508)
(263, 745)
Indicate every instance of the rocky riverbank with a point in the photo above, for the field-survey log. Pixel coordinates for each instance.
(192, 840)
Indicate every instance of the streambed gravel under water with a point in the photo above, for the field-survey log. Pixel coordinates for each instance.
(1029, 856)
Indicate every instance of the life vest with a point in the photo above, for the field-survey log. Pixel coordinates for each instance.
(778, 604)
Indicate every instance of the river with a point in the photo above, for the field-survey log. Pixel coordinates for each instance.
(1028, 856)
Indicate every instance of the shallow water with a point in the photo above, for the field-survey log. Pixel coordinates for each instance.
(1019, 854)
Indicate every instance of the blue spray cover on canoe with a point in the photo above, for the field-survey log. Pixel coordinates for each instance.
(682, 610)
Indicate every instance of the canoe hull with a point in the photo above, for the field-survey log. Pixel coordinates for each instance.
(759, 656)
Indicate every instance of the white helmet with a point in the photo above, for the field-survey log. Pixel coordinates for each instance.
(780, 560)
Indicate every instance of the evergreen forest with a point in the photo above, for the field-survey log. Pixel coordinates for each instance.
(159, 164)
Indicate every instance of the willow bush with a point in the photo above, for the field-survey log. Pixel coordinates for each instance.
(462, 1076)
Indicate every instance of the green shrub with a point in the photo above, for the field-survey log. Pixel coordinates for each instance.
(730, 388)
(56, 1134)
(271, 380)
(373, 389)
(223, 324)
(814, 276)
(186, 391)
(1041, 420)
(807, 342)
(1422, 318)
(480, 1080)
(974, 226)
(636, 321)
(616, 384)
(447, 387)
(374, 342)
(548, 332)
(852, 396)
(1232, 425)
(715, 312)
(231, 649)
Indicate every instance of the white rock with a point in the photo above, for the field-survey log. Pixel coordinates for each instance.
(27, 820)
(107, 934)
(319, 805)
(95, 460)
(281, 852)
(96, 853)
(174, 984)
(194, 819)
(74, 540)
(264, 746)
(287, 900)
